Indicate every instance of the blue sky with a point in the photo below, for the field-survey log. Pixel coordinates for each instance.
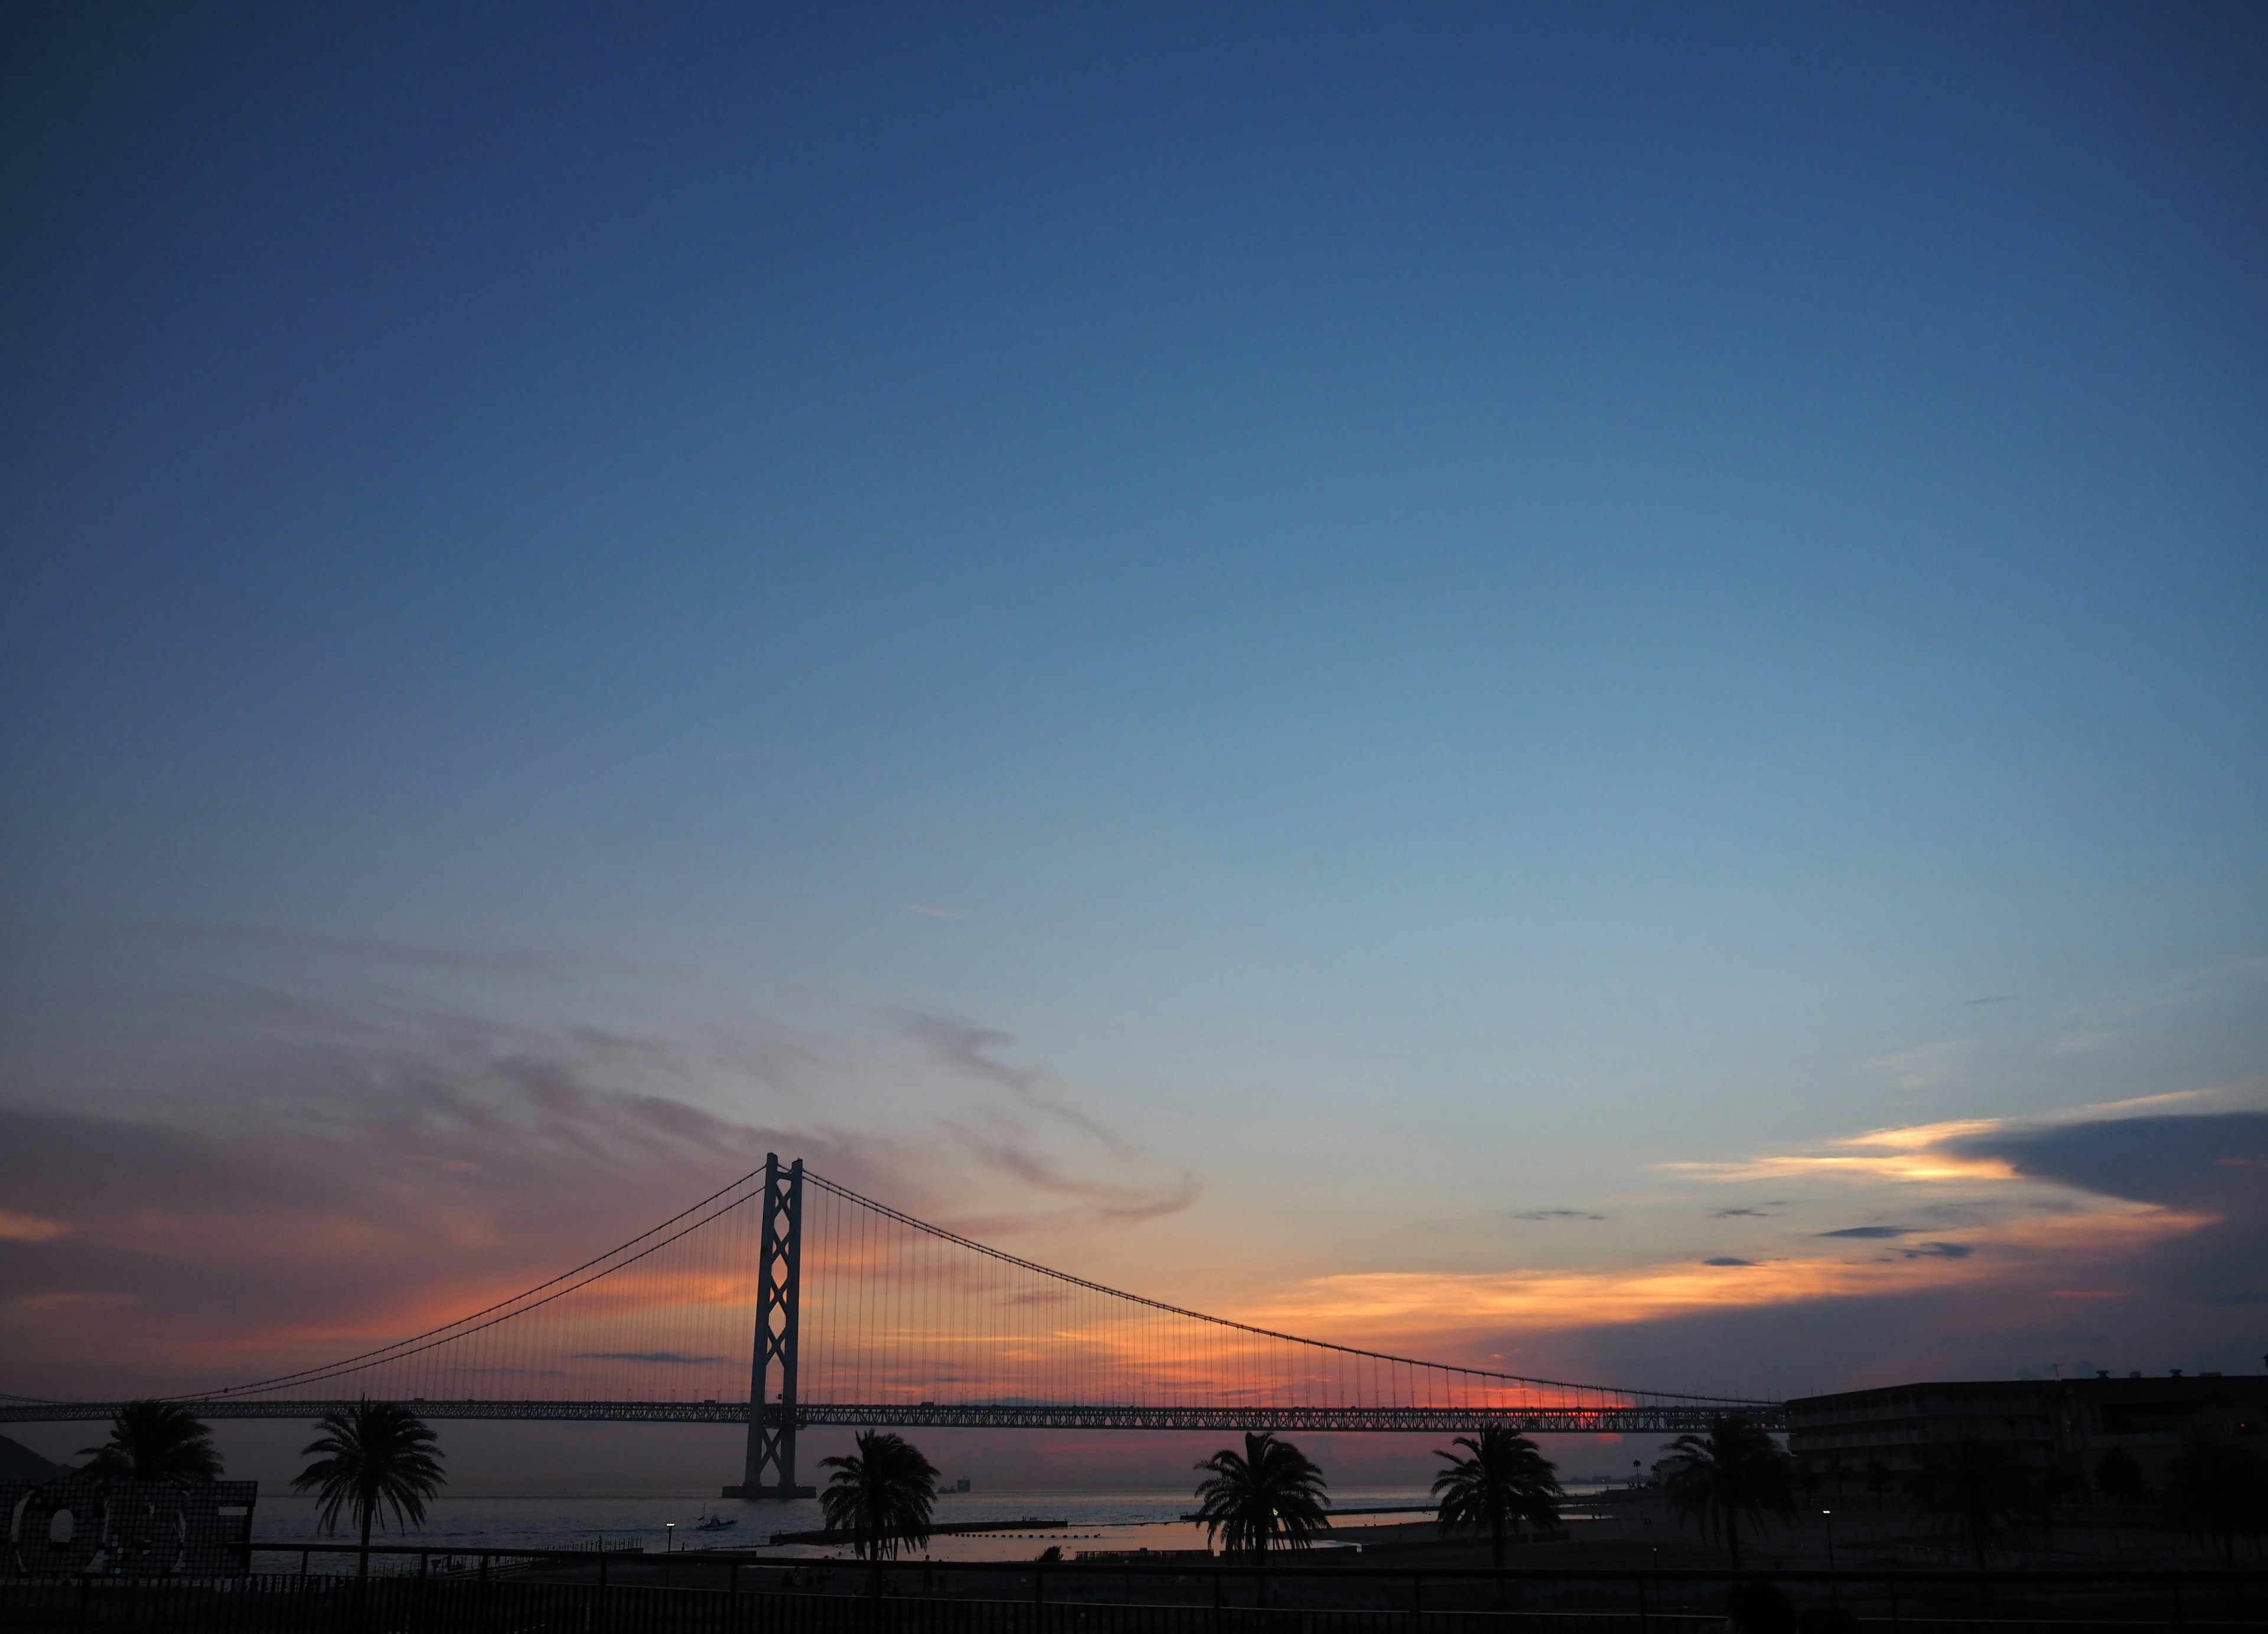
(1494, 598)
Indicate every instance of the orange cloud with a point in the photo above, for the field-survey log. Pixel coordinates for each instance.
(1416, 1302)
(1923, 1152)
(1914, 1153)
(16, 1227)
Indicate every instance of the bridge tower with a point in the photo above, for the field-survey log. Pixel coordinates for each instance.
(771, 1422)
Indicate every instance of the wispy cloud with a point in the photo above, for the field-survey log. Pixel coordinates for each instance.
(1962, 1150)
(1007, 1149)
(2080, 1204)
(16, 1227)
(2223, 1095)
(930, 910)
(1924, 1067)
(2200, 985)
(969, 1049)
(974, 1051)
(1938, 1251)
(1546, 1301)
(1006, 1143)
(1924, 1151)
(1556, 1214)
(326, 1143)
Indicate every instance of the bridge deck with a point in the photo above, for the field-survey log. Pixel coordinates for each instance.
(1642, 1419)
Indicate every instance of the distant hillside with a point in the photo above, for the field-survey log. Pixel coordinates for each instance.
(19, 1462)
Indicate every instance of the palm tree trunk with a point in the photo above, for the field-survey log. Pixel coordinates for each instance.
(1496, 1538)
(362, 1578)
(1733, 1535)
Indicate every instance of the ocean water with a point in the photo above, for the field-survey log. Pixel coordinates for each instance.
(1100, 1521)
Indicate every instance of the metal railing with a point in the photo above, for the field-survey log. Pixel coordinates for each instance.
(292, 1604)
(512, 1591)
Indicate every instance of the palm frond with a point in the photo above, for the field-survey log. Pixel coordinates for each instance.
(152, 1440)
(379, 1459)
(1505, 1482)
(1736, 1471)
(882, 1494)
(1272, 1491)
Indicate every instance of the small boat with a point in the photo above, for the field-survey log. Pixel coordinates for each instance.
(715, 1523)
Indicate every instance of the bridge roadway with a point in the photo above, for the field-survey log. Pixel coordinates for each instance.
(1650, 1418)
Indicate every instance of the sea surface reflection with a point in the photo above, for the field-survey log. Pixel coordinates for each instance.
(656, 1523)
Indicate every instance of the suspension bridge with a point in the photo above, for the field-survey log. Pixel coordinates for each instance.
(867, 1316)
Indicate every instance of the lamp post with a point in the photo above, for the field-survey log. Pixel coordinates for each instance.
(1834, 1588)
(668, 1536)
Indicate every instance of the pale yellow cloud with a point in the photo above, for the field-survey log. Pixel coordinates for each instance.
(1916, 1153)
(1921, 1152)
(2230, 1095)
(1417, 1302)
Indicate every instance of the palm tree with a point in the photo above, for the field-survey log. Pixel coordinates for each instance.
(881, 1495)
(378, 1455)
(1980, 1491)
(1274, 1490)
(1736, 1469)
(1506, 1482)
(154, 1441)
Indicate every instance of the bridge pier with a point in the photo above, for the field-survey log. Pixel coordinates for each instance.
(771, 1423)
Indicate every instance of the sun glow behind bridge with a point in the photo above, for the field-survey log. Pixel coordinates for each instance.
(899, 1321)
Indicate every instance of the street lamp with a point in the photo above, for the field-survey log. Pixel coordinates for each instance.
(1834, 1588)
(669, 1536)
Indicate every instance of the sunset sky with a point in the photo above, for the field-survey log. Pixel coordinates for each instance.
(1579, 689)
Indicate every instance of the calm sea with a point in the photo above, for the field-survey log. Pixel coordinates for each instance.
(1097, 1520)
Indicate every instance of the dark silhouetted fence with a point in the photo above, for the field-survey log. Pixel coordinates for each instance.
(496, 1605)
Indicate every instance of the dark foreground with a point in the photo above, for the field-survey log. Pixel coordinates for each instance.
(721, 1594)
